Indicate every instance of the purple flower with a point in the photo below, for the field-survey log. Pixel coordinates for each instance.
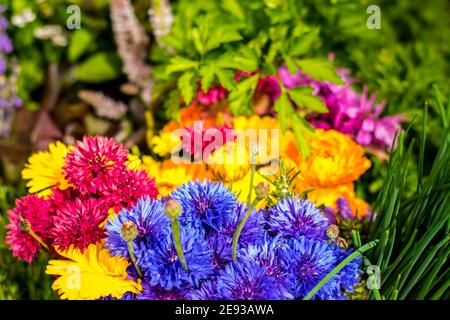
(9, 100)
(5, 43)
(354, 114)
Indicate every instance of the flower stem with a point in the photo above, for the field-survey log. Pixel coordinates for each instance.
(254, 152)
(339, 267)
(237, 232)
(133, 258)
(38, 239)
(177, 240)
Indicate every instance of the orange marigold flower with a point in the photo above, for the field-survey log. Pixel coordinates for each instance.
(335, 160)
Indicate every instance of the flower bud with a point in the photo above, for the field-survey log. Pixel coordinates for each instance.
(333, 231)
(262, 190)
(173, 209)
(24, 225)
(128, 231)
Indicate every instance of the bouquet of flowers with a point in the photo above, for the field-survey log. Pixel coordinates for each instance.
(117, 238)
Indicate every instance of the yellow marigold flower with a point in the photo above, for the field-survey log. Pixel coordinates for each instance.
(255, 122)
(91, 274)
(165, 143)
(230, 162)
(335, 160)
(258, 130)
(134, 162)
(45, 169)
(329, 196)
(241, 188)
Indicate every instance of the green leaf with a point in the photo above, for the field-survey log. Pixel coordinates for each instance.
(80, 41)
(233, 7)
(226, 78)
(221, 36)
(241, 97)
(186, 85)
(100, 67)
(180, 64)
(303, 44)
(198, 41)
(319, 69)
(244, 59)
(300, 133)
(290, 64)
(303, 97)
(339, 267)
(172, 106)
(206, 73)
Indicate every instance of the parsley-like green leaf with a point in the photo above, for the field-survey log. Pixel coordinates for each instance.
(240, 99)
(226, 78)
(180, 64)
(187, 87)
(303, 97)
(206, 73)
(319, 69)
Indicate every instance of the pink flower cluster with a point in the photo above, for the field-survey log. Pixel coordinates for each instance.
(197, 138)
(354, 114)
(100, 181)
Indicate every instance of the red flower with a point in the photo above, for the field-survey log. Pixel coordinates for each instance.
(133, 185)
(201, 142)
(77, 222)
(95, 164)
(37, 212)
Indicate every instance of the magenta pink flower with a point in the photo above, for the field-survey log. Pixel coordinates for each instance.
(212, 96)
(133, 185)
(95, 164)
(201, 142)
(269, 85)
(77, 222)
(37, 212)
(357, 115)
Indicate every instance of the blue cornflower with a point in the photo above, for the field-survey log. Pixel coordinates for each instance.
(244, 280)
(207, 291)
(308, 261)
(150, 292)
(221, 251)
(126, 296)
(294, 217)
(161, 265)
(205, 204)
(268, 254)
(220, 241)
(349, 276)
(149, 217)
(253, 230)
